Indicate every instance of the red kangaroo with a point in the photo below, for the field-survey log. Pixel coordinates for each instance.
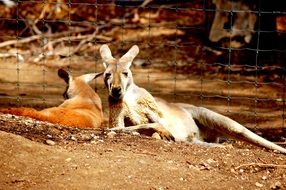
(81, 109)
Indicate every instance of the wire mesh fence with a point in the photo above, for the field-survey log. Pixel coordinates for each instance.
(222, 54)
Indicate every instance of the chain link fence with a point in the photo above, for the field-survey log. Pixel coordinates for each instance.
(225, 55)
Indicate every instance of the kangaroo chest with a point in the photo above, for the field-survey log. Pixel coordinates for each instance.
(133, 113)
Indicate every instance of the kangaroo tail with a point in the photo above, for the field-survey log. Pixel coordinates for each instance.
(27, 112)
(226, 126)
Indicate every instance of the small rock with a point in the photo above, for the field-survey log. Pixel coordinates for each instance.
(194, 167)
(50, 142)
(73, 138)
(204, 166)
(210, 161)
(258, 184)
(264, 177)
(135, 133)
(156, 136)
(95, 137)
(68, 159)
(232, 170)
(49, 136)
(170, 161)
(111, 134)
(75, 166)
(276, 151)
(85, 137)
(142, 161)
(93, 142)
(109, 150)
(276, 185)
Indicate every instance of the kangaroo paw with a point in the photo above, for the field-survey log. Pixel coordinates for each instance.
(163, 133)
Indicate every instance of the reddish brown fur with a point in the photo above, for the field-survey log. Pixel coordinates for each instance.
(83, 110)
(58, 115)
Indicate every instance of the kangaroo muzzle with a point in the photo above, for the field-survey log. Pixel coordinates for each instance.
(116, 92)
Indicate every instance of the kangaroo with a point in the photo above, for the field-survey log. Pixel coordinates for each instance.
(81, 109)
(134, 109)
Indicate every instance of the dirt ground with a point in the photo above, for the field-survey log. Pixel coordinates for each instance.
(37, 155)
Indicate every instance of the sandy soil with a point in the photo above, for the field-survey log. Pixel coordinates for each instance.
(38, 155)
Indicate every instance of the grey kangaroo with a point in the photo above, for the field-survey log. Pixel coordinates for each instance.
(134, 109)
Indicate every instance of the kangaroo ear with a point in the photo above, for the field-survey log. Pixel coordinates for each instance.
(89, 77)
(128, 57)
(105, 54)
(64, 75)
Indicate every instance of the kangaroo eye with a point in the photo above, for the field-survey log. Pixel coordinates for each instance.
(107, 75)
(125, 74)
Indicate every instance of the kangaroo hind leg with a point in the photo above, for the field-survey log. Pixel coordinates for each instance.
(228, 127)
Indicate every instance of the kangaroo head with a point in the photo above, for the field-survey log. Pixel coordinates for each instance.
(117, 75)
(76, 85)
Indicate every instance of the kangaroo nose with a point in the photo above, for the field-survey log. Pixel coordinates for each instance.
(116, 92)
